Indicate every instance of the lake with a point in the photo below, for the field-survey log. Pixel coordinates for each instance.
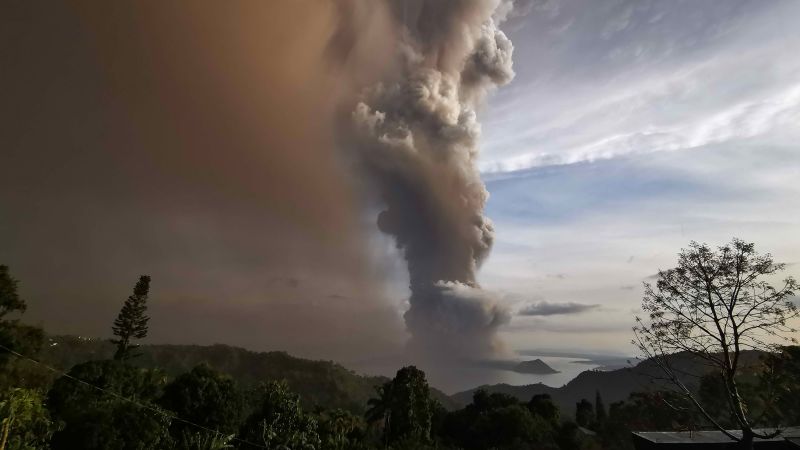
(456, 378)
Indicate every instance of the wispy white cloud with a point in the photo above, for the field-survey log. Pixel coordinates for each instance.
(635, 126)
(588, 220)
(735, 83)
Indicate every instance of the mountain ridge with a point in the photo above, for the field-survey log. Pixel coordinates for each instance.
(613, 385)
(318, 382)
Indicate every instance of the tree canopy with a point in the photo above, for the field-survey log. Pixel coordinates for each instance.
(714, 305)
(131, 323)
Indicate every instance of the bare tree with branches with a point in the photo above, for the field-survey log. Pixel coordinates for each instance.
(714, 305)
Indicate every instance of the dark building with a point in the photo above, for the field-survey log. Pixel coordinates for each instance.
(701, 440)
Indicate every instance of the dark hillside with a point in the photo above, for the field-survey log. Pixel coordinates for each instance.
(319, 383)
(613, 385)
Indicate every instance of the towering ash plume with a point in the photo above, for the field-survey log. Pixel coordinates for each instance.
(417, 133)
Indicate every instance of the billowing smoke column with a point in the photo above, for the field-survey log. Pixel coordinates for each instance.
(417, 134)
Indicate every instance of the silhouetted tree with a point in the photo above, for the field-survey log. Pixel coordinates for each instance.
(15, 336)
(205, 397)
(131, 323)
(770, 389)
(542, 405)
(599, 408)
(114, 411)
(379, 407)
(654, 411)
(714, 305)
(780, 384)
(485, 401)
(341, 430)
(405, 407)
(569, 437)
(584, 413)
(10, 300)
(497, 421)
(279, 422)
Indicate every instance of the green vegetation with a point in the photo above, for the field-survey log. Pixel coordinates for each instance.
(25, 422)
(205, 397)
(714, 305)
(14, 336)
(221, 397)
(280, 422)
(112, 406)
(131, 323)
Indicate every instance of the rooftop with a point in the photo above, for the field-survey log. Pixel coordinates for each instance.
(792, 434)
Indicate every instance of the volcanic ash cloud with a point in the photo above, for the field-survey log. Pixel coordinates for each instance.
(417, 135)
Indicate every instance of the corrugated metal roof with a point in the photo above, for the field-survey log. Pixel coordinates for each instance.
(710, 437)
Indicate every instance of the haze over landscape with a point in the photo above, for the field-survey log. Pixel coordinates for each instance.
(282, 174)
(399, 225)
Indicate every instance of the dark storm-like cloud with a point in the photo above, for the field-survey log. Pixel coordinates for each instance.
(229, 151)
(545, 308)
(194, 142)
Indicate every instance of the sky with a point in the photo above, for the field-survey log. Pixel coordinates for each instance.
(631, 129)
(192, 145)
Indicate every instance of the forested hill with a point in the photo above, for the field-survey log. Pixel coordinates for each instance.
(319, 383)
(330, 385)
(613, 385)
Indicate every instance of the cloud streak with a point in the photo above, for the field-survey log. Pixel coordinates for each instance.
(657, 82)
(545, 308)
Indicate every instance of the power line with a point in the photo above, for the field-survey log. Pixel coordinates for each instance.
(120, 397)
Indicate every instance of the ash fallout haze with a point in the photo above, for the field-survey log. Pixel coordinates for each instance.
(267, 163)
(388, 182)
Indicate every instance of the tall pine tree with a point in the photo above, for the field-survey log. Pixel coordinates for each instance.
(599, 408)
(131, 323)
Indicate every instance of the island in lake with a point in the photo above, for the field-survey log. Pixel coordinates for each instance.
(536, 366)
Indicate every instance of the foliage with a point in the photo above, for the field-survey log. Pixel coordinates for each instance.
(322, 384)
(411, 411)
(24, 421)
(10, 300)
(19, 372)
(542, 405)
(404, 407)
(14, 336)
(599, 408)
(570, 437)
(280, 422)
(770, 389)
(204, 441)
(780, 386)
(714, 305)
(341, 430)
(645, 411)
(121, 405)
(497, 421)
(655, 411)
(584, 413)
(131, 323)
(204, 397)
(114, 411)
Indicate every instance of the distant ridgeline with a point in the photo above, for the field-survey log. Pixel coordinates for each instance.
(330, 385)
(318, 383)
(614, 385)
